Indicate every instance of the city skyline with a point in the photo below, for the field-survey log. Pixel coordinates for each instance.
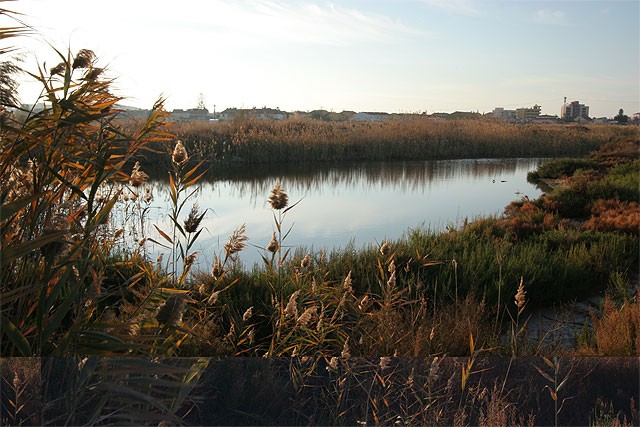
(402, 56)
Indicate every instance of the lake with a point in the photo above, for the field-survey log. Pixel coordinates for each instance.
(359, 203)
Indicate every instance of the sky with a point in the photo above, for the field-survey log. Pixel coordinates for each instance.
(396, 56)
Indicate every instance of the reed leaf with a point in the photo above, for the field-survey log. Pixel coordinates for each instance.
(15, 337)
(12, 253)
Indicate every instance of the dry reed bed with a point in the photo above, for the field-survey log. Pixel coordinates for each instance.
(293, 140)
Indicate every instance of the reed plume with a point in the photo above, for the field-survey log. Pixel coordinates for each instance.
(138, 177)
(179, 156)
(278, 198)
(273, 244)
(236, 241)
(291, 309)
(194, 219)
(83, 59)
(305, 317)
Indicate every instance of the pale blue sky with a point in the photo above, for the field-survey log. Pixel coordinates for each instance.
(362, 55)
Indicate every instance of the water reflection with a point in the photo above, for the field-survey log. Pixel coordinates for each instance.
(254, 183)
(360, 202)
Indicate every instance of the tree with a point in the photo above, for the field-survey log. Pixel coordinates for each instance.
(621, 117)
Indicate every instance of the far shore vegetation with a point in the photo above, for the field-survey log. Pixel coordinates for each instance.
(426, 330)
(233, 144)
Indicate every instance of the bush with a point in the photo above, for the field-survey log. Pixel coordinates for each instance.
(614, 215)
(561, 168)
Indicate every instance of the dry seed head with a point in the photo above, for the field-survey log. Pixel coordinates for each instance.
(179, 156)
(192, 222)
(385, 362)
(346, 284)
(191, 258)
(247, 314)
(170, 313)
(58, 69)
(83, 59)
(273, 244)
(278, 198)
(137, 177)
(362, 304)
(292, 306)
(521, 296)
(391, 283)
(306, 261)
(236, 241)
(346, 352)
(305, 317)
(213, 298)
(93, 73)
(385, 248)
(333, 364)
(232, 332)
(217, 270)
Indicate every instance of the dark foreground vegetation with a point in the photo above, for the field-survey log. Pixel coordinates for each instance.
(428, 330)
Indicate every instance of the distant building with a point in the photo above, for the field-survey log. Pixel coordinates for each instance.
(253, 113)
(546, 118)
(574, 110)
(190, 115)
(370, 117)
(502, 114)
(528, 114)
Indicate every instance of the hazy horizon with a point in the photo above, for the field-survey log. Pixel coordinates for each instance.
(400, 56)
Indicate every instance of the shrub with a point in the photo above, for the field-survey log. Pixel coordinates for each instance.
(561, 168)
(617, 332)
(614, 215)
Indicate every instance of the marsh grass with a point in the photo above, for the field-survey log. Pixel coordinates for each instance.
(295, 140)
(357, 337)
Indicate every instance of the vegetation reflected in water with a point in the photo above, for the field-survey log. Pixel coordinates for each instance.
(358, 203)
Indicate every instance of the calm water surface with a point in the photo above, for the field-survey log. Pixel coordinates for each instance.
(351, 203)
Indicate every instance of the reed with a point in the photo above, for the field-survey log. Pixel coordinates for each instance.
(360, 335)
(295, 140)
